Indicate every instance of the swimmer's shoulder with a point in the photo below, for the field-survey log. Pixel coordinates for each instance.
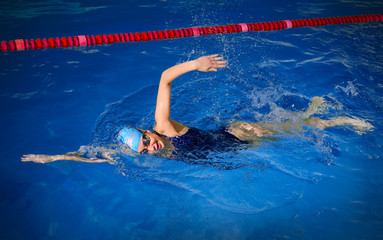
(171, 129)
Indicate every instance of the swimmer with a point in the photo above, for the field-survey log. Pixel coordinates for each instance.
(174, 140)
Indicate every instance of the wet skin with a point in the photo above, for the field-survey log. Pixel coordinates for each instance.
(156, 142)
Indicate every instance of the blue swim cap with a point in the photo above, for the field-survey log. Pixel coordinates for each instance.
(130, 137)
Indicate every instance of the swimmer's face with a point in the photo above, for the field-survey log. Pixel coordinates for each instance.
(150, 142)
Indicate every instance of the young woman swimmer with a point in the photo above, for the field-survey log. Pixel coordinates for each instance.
(178, 141)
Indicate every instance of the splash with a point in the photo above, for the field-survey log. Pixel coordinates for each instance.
(241, 181)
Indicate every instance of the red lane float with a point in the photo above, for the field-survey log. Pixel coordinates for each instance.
(84, 40)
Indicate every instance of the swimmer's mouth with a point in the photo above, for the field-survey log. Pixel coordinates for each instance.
(158, 146)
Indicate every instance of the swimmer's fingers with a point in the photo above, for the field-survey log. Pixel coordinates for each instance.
(27, 158)
(217, 62)
(216, 57)
(210, 63)
(220, 64)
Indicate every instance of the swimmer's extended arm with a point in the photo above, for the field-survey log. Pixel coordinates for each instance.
(69, 157)
(164, 124)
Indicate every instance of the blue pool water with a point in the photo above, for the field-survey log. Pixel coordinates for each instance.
(316, 184)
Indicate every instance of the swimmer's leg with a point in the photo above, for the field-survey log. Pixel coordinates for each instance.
(360, 126)
(319, 106)
(249, 130)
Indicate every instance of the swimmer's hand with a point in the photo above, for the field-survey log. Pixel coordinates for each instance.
(37, 158)
(209, 63)
(68, 157)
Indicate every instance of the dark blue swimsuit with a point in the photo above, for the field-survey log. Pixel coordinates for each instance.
(197, 144)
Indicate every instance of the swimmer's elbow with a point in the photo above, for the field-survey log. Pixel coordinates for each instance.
(166, 79)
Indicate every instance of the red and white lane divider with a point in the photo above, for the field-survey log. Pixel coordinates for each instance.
(85, 40)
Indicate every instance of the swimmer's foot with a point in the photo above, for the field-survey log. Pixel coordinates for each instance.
(319, 105)
(360, 126)
(314, 106)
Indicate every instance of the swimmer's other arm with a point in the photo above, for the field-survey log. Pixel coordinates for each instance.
(68, 157)
(164, 124)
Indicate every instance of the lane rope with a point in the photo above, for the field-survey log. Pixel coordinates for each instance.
(86, 40)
